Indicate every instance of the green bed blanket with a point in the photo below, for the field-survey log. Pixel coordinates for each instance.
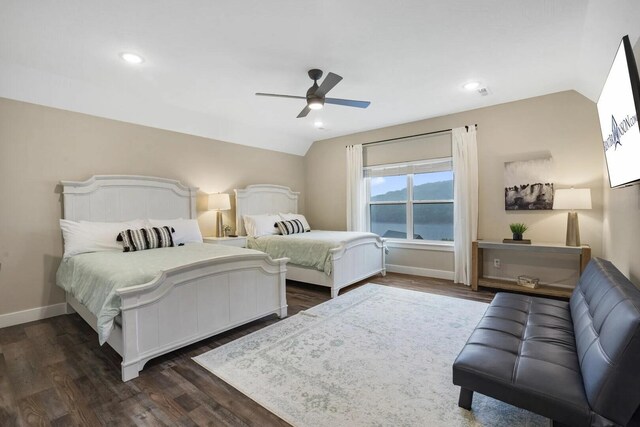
(310, 249)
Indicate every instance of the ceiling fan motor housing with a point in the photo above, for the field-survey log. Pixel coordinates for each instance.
(315, 74)
(315, 102)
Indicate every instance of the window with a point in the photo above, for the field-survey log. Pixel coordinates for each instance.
(412, 201)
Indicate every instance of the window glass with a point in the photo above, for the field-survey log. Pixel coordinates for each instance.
(410, 205)
(433, 221)
(389, 220)
(389, 188)
(433, 186)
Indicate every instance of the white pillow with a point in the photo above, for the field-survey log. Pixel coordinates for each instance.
(86, 236)
(261, 225)
(299, 217)
(187, 230)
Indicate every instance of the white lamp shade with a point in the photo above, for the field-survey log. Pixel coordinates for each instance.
(219, 202)
(572, 198)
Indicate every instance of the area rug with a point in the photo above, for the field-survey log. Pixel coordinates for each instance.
(375, 356)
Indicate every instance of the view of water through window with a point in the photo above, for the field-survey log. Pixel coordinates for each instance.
(432, 220)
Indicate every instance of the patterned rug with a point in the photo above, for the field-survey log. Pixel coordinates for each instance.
(375, 356)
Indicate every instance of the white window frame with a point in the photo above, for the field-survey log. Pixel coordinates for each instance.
(409, 242)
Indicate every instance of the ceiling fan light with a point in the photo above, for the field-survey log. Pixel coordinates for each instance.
(315, 104)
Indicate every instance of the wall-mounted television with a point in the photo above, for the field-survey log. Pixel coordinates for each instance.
(618, 108)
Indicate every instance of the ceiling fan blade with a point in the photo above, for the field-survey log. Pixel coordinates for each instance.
(304, 112)
(347, 102)
(280, 96)
(328, 83)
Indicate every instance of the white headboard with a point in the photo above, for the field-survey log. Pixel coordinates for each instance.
(263, 199)
(112, 198)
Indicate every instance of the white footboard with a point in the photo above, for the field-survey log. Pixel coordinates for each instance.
(356, 261)
(352, 262)
(189, 303)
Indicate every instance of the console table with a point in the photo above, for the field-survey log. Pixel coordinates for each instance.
(477, 278)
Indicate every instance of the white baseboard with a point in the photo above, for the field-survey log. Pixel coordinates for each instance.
(24, 316)
(419, 271)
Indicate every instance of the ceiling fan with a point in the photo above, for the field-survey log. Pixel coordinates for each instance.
(316, 95)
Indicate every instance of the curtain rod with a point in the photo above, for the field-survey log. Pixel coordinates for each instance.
(413, 136)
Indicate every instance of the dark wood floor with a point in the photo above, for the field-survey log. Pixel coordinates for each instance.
(52, 372)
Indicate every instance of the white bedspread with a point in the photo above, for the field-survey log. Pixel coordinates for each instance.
(93, 278)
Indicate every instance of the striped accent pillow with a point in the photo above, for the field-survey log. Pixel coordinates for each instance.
(290, 227)
(146, 238)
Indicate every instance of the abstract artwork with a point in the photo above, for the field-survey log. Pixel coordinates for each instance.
(527, 185)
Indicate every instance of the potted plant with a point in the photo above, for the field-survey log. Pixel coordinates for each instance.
(518, 229)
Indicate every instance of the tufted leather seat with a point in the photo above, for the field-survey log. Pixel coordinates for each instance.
(577, 363)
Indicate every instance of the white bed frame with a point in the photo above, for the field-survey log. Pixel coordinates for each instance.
(182, 305)
(355, 261)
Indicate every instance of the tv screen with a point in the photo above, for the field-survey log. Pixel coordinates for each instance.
(618, 108)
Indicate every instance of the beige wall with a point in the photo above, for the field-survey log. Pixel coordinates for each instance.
(622, 223)
(39, 146)
(563, 125)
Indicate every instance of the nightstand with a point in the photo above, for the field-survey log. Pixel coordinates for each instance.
(240, 241)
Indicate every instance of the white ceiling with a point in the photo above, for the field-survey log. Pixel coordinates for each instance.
(205, 59)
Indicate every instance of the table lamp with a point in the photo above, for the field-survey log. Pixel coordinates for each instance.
(219, 202)
(572, 199)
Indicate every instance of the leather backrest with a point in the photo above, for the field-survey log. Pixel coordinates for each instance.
(605, 309)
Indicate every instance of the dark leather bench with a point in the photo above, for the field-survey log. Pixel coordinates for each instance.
(576, 362)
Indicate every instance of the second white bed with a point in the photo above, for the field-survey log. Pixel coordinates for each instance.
(348, 257)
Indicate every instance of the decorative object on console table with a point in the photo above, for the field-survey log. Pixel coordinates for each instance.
(517, 229)
(528, 281)
(572, 199)
(219, 202)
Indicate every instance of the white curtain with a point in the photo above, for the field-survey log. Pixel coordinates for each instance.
(356, 219)
(465, 200)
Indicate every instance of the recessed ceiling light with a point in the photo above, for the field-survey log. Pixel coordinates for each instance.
(471, 85)
(131, 58)
(318, 124)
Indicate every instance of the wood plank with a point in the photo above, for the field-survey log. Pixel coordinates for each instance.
(64, 421)
(22, 360)
(9, 415)
(142, 412)
(32, 412)
(13, 334)
(164, 396)
(74, 400)
(50, 402)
